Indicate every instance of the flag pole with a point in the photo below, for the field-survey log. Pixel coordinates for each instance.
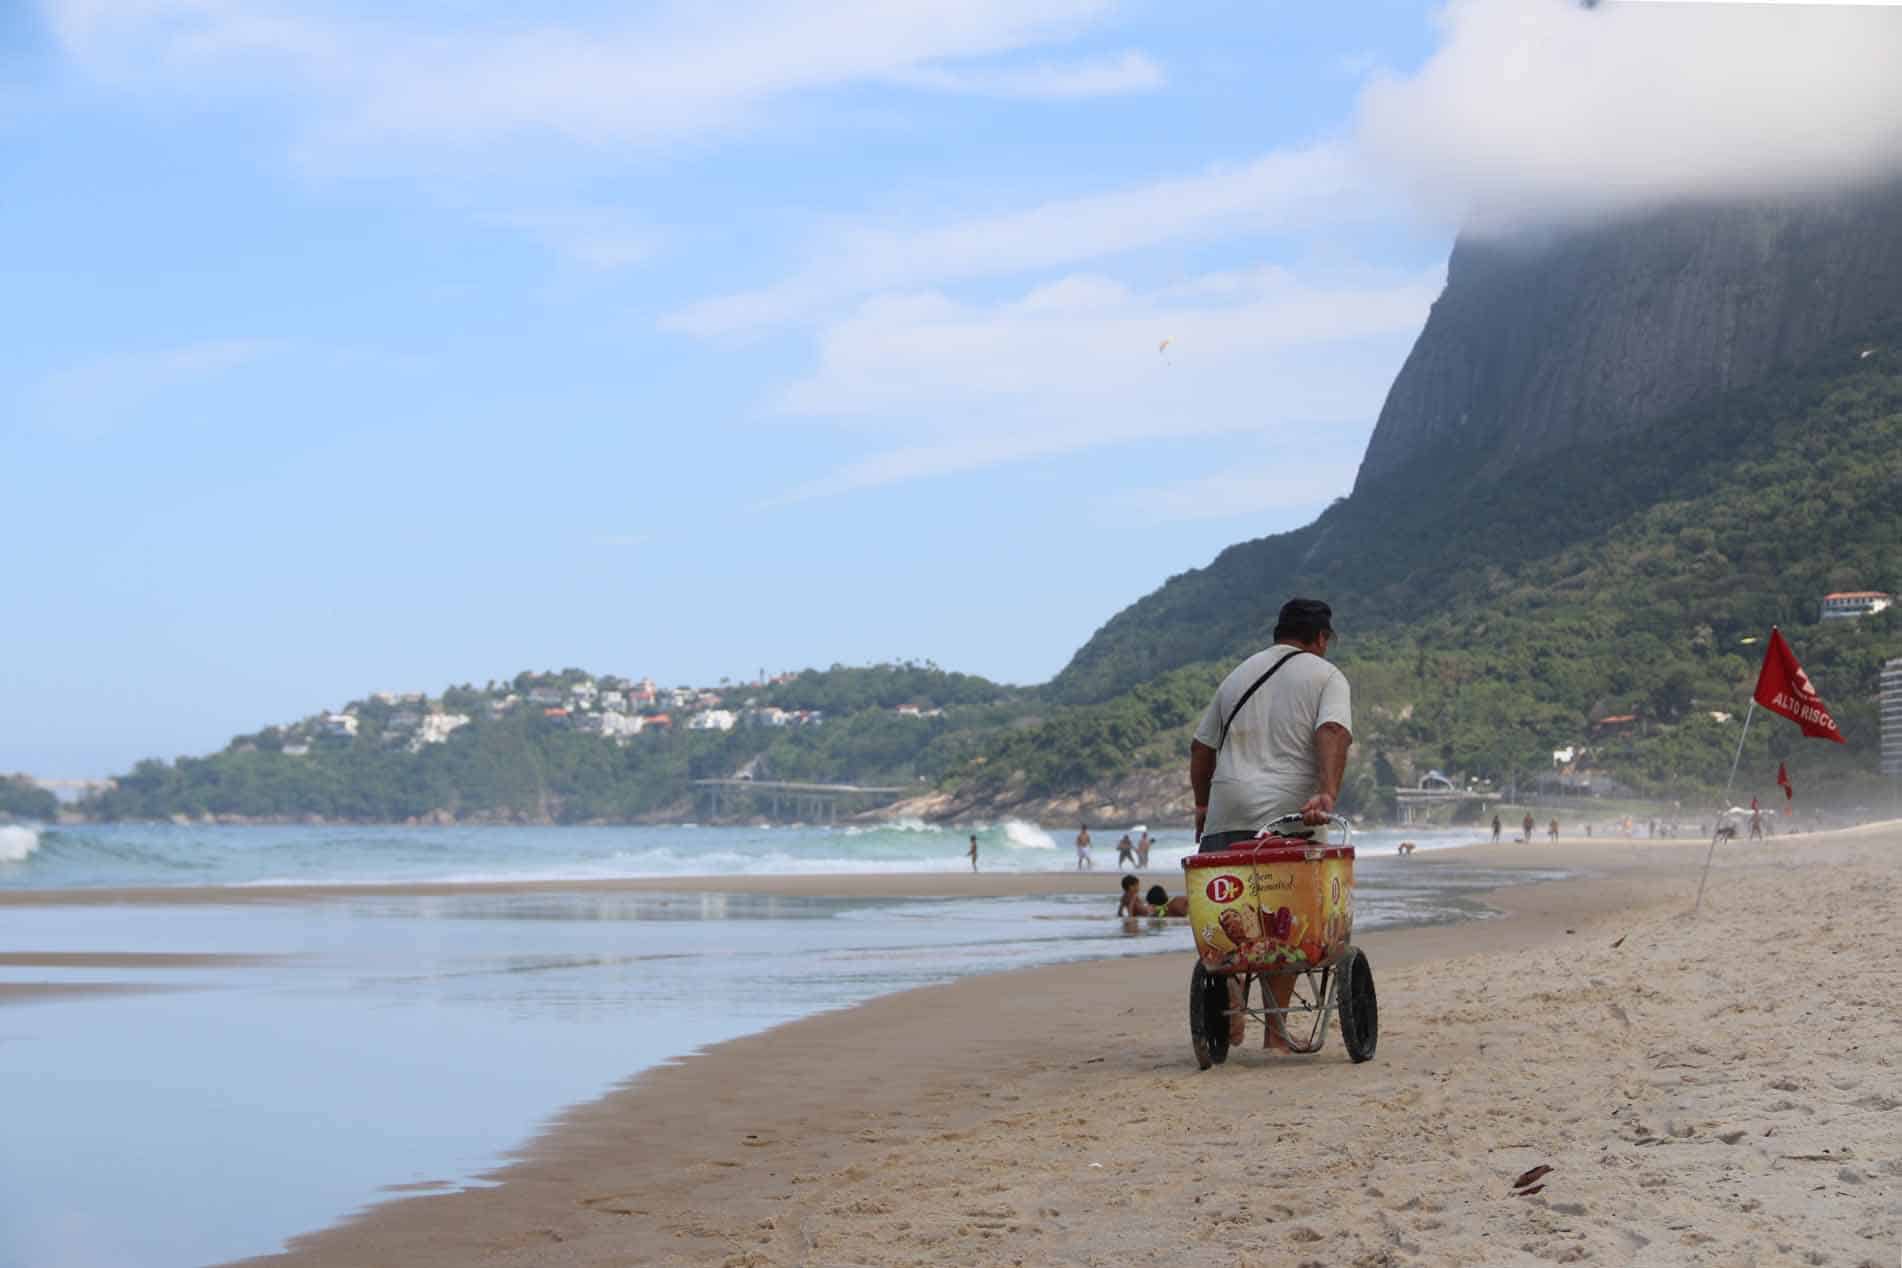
(1723, 806)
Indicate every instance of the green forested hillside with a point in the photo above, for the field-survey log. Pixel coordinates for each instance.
(1485, 623)
(522, 764)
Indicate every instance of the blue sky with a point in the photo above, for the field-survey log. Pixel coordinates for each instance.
(354, 347)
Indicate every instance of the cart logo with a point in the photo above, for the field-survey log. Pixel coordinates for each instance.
(1224, 889)
(1337, 891)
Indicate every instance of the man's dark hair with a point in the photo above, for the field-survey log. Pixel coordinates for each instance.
(1303, 621)
(1130, 882)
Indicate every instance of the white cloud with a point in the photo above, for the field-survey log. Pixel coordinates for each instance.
(1056, 81)
(1277, 191)
(679, 71)
(1544, 112)
(945, 387)
(594, 237)
(86, 401)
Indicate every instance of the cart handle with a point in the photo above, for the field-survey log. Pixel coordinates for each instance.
(1340, 821)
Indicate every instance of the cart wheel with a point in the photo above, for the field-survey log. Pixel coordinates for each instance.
(1208, 1017)
(1360, 1011)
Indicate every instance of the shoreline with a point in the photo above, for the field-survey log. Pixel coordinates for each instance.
(917, 884)
(815, 1096)
(1055, 1113)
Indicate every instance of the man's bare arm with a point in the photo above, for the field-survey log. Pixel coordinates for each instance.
(1201, 776)
(1331, 742)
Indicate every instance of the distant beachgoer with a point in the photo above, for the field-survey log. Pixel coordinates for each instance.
(1083, 858)
(1756, 824)
(973, 851)
(1552, 830)
(1405, 848)
(1528, 825)
(1496, 827)
(1125, 851)
(1142, 849)
(1160, 904)
(1588, 829)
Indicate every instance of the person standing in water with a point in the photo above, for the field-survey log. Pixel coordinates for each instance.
(973, 851)
(1496, 826)
(1125, 851)
(1083, 859)
(1142, 849)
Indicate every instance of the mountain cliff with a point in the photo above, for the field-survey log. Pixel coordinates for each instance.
(1613, 459)
(1548, 340)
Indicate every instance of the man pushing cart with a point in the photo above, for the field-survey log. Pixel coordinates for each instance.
(1270, 751)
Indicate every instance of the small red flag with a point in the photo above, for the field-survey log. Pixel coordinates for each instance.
(1783, 687)
(1783, 782)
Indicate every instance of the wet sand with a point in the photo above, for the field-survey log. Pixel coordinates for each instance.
(1694, 1106)
(31, 992)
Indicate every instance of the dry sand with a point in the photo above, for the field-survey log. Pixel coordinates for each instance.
(1722, 1091)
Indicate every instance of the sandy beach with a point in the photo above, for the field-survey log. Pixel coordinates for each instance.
(1721, 1091)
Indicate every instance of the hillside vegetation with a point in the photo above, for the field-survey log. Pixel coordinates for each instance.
(521, 765)
(1486, 622)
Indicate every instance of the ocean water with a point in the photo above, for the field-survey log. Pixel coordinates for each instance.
(92, 855)
(374, 1042)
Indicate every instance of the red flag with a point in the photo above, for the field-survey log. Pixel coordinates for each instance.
(1783, 687)
(1783, 782)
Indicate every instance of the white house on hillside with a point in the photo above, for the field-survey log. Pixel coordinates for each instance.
(1847, 605)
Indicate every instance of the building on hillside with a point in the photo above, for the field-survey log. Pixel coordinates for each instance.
(340, 725)
(394, 698)
(766, 715)
(1617, 722)
(609, 725)
(584, 692)
(613, 700)
(712, 720)
(296, 748)
(1847, 605)
(545, 696)
(437, 727)
(405, 720)
(1892, 718)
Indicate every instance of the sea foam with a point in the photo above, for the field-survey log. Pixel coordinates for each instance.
(16, 843)
(1027, 836)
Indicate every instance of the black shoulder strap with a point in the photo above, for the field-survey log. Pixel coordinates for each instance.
(1272, 671)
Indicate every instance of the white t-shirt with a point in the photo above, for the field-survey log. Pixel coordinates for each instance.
(1269, 766)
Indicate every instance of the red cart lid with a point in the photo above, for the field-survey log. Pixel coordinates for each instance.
(1269, 849)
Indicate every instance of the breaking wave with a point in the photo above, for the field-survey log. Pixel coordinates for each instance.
(17, 842)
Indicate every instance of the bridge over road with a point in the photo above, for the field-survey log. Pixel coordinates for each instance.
(1416, 802)
(809, 803)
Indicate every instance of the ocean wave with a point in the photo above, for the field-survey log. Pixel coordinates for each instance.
(17, 842)
(1027, 836)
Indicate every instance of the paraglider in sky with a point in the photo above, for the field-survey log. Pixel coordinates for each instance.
(1162, 349)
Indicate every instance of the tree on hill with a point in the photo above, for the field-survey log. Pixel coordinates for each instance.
(21, 798)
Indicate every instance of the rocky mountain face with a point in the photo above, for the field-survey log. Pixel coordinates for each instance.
(1541, 342)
